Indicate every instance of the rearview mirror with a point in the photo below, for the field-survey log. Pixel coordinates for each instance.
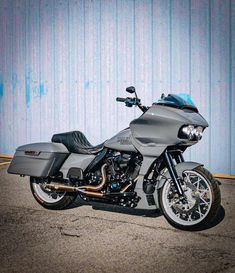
(130, 89)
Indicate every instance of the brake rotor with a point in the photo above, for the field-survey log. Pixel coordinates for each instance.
(189, 202)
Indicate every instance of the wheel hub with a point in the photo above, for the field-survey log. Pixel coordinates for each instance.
(189, 201)
(46, 194)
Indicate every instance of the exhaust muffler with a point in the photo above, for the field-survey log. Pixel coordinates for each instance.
(66, 188)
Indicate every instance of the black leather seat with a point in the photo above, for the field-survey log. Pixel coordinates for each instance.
(76, 142)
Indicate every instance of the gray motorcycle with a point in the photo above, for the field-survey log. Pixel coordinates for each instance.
(142, 167)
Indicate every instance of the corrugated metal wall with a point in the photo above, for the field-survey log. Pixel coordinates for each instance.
(62, 64)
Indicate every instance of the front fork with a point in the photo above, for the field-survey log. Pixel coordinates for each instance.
(171, 168)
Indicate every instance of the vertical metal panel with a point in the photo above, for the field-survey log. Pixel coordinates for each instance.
(180, 46)
(161, 77)
(77, 46)
(143, 50)
(76, 64)
(62, 64)
(3, 75)
(232, 87)
(200, 72)
(125, 58)
(180, 50)
(32, 70)
(108, 77)
(220, 83)
(46, 69)
(22, 92)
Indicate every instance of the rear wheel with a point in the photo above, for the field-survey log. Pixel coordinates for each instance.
(199, 205)
(50, 199)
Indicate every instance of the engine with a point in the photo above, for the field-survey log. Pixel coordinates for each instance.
(121, 170)
(113, 179)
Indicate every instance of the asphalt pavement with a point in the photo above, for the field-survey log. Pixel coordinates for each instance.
(104, 239)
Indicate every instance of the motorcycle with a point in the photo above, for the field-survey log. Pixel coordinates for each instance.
(142, 167)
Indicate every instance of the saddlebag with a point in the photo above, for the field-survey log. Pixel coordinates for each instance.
(38, 159)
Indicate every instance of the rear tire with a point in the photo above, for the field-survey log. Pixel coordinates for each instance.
(50, 199)
(202, 201)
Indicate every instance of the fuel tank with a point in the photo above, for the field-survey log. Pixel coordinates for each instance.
(121, 141)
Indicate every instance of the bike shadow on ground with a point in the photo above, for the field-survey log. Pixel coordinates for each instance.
(217, 220)
(130, 211)
(144, 213)
(156, 213)
(115, 208)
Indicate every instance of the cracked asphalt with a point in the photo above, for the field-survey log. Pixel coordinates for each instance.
(102, 239)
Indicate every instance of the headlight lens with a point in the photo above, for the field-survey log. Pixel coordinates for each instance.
(191, 132)
(198, 132)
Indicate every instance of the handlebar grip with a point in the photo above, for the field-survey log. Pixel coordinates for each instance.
(120, 99)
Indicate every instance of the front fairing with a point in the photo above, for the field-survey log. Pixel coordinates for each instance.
(159, 127)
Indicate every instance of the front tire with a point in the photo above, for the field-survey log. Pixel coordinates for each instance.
(200, 204)
(50, 199)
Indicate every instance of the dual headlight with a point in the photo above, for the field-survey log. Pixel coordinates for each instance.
(191, 132)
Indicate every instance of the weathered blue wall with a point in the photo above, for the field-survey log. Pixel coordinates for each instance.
(62, 63)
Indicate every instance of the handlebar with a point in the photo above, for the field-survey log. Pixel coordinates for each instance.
(120, 99)
(129, 102)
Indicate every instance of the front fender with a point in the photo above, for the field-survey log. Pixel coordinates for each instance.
(180, 168)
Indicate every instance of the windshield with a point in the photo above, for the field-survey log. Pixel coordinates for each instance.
(181, 100)
(186, 98)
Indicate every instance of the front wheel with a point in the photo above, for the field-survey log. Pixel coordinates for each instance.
(199, 205)
(50, 199)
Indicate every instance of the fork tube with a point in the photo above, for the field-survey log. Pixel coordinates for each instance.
(173, 173)
(181, 157)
